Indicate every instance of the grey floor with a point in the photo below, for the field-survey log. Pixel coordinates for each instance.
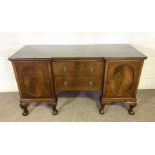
(78, 107)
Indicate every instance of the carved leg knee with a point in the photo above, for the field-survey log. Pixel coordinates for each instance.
(131, 106)
(24, 106)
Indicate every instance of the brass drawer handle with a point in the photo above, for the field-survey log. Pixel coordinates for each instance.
(90, 83)
(91, 69)
(65, 83)
(64, 68)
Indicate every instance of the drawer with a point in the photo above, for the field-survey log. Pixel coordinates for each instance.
(78, 67)
(78, 83)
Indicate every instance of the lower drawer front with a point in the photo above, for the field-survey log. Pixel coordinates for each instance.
(78, 83)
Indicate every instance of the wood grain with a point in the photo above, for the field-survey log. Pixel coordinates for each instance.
(112, 70)
(78, 83)
(106, 51)
(78, 68)
(34, 78)
(122, 78)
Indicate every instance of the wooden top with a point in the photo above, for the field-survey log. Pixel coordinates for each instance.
(106, 51)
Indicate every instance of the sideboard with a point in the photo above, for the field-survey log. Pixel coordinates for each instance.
(113, 70)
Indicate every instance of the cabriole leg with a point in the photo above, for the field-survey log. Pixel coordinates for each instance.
(55, 111)
(131, 106)
(101, 110)
(24, 106)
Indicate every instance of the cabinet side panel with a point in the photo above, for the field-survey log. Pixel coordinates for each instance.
(122, 78)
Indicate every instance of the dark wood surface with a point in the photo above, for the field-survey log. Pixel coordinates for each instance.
(35, 83)
(107, 51)
(34, 78)
(121, 78)
(78, 67)
(112, 70)
(78, 83)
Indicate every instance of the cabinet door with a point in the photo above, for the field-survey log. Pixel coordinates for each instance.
(121, 79)
(34, 79)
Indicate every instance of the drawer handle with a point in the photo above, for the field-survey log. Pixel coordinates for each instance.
(64, 68)
(65, 83)
(91, 69)
(90, 83)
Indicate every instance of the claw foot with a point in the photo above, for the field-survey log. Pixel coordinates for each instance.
(25, 113)
(24, 107)
(55, 112)
(130, 111)
(101, 111)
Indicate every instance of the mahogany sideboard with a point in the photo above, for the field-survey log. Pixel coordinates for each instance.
(113, 70)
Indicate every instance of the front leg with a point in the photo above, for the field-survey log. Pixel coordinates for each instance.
(102, 103)
(24, 106)
(55, 111)
(131, 106)
(101, 110)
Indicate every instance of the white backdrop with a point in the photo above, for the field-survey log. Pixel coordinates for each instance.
(11, 42)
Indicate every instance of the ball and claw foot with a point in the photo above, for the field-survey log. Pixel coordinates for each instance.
(101, 111)
(24, 107)
(25, 113)
(55, 112)
(130, 111)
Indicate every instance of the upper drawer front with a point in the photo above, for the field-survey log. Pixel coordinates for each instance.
(78, 67)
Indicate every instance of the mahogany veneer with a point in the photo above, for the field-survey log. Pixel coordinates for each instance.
(112, 70)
